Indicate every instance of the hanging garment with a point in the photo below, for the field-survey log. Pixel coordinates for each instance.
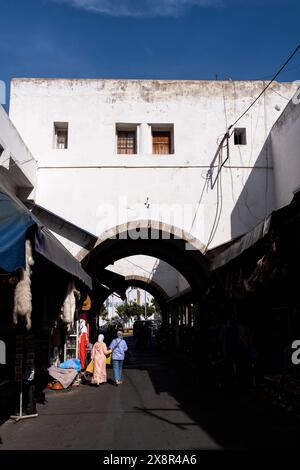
(69, 304)
(22, 295)
(83, 342)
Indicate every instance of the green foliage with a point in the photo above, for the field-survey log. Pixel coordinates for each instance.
(130, 310)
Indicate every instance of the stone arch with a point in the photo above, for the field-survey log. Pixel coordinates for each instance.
(145, 224)
(148, 237)
(144, 283)
(150, 286)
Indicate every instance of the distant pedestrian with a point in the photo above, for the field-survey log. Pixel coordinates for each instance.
(99, 353)
(118, 347)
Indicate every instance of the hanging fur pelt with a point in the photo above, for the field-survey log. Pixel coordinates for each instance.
(22, 296)
(69, 304)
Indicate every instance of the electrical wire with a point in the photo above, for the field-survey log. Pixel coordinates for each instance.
(218, 213)
(279, 94)
(266, 87)
(16, 162)
(245, 196)
(205, 185)
(266, 77)
(137, 266)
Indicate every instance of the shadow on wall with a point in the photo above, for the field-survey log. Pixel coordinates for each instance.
(167, 277)
(257, 199)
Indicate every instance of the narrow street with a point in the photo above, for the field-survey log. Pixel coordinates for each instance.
(155, 408)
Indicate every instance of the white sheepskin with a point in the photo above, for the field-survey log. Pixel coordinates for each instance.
(69, 305)
(22, 296)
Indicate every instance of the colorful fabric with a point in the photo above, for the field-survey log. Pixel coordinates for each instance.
(71, 364)
(82, 349)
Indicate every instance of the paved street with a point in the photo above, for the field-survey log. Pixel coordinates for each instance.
(155, 408)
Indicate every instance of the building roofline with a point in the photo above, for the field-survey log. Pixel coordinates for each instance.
(87, 79)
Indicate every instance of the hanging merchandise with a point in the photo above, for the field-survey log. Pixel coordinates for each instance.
(87, 304)
(258, 276)
(22, 295)
(83, 342)
(69, 305)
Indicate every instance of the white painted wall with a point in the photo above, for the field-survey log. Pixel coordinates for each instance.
(18, 169)
(90, 173)
(148, 267)
(285, 137)
(88, 182)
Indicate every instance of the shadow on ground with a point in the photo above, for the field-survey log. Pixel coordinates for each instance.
(233, 419)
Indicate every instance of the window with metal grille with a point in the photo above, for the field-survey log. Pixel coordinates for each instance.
(126, 142)
(240, 136)
(61, 135)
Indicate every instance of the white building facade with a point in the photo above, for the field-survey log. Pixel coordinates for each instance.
(111, 152)
(18, 168)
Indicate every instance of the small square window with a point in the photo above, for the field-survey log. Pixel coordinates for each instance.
(162, 139)
(61, 135)
(1, 150)
(126, 139)
(240, 136)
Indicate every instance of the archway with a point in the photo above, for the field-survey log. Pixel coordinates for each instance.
(147, 237)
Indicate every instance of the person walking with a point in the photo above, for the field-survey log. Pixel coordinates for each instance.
(118, 347)
(99, 353)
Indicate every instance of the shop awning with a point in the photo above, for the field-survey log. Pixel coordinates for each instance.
(15, 219)
(65, 228)
(14, 223)
(238, 246)
(50, 247)
(113, 282)
(283, 217)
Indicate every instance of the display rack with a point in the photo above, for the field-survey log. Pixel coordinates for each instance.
(72, 342)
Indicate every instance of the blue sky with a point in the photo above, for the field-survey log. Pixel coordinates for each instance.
(166, 39)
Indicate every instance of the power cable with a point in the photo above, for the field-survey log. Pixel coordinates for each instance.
(227, 136)
(218, 213)
(266, 87)
(137, 266)
(266, 77)
(17, 162)
(279, 94)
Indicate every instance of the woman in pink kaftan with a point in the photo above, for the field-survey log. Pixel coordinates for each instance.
(99, 353)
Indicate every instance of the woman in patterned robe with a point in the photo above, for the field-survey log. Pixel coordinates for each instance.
(99, 353)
